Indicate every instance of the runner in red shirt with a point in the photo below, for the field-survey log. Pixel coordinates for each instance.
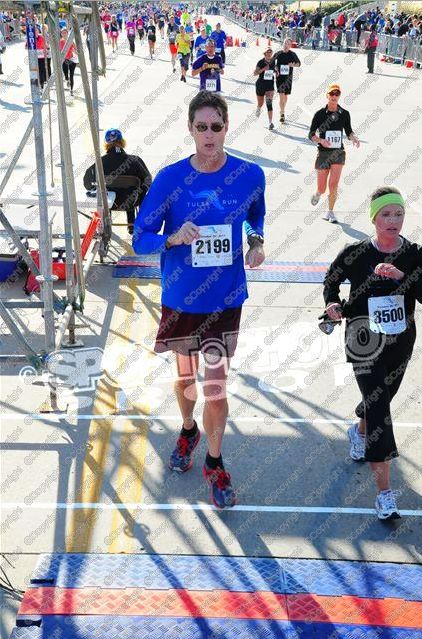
(106, 20)
(140, 28)
(69, 63)
(198, 24)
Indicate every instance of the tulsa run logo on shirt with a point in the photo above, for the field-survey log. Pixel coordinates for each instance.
(210, 198)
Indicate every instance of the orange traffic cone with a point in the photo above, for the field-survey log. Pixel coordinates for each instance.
(236, 43)
(257, 42)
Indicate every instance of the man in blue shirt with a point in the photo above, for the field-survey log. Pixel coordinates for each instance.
(219, 38)
(194, 215)
(200, 42)
(209, 66)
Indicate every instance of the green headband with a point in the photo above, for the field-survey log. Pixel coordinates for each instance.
(376, 205)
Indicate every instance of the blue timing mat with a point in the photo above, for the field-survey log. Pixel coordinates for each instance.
(292, 272)
(98, 596)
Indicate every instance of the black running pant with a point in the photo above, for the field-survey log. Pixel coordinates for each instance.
(371, 61)
(69, 71)
(378, 382)
(131, 39)
(44, 71)
(358, 26)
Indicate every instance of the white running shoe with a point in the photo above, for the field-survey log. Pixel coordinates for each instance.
(357, 443)
(258, 112)
(330, 217)
(386, 506)
(315, 199)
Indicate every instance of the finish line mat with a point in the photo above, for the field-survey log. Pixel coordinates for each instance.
(292, 272)
(77, 596)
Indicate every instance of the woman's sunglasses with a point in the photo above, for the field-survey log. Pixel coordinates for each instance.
(214, 126)
(334, 93)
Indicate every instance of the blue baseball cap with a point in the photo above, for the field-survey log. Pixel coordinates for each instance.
(113, 135)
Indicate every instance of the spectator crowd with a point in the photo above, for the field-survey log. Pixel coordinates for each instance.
(332, 28)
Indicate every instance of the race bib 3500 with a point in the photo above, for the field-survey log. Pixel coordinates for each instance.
(387, 314)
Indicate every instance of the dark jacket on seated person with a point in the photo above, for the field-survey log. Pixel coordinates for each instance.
(117, 162)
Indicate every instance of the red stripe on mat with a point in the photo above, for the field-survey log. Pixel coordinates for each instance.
(222, 603)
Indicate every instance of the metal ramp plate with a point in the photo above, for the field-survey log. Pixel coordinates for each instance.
(147, 628)
(242, 574)
(76, 596)
(159, 572)
(293, 272)
(363, 579)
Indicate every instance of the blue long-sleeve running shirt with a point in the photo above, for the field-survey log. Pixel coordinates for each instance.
(208, 275)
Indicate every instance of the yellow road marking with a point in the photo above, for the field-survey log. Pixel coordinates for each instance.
(133, 442)
(82, 521)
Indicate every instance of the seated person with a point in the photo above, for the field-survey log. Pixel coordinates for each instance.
(116, 163)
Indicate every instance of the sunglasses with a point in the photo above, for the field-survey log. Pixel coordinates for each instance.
(334, 93)
(216, 127)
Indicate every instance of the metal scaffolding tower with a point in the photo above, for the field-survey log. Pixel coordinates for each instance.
(50, 302)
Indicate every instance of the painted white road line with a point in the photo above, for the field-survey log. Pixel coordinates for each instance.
(200, 507)
(172, 418)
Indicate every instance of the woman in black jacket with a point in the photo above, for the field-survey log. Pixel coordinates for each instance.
(116, 162)
(385, 276)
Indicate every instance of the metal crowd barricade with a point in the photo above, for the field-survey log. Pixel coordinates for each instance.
(403, 48)
(397, 48)
(11, 30)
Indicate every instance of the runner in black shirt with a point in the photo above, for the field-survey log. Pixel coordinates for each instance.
(265, 70)
(385, 273)
(327, 129)
(285, 60)
(151, 31)
(161, 24)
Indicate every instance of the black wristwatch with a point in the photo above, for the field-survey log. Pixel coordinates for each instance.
(255, 239)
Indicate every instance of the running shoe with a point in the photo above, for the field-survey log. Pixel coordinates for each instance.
(282, 117)
(386, 506)
(258, 112)
(330, 217)
(181, 458)
(315, 199)
(357, 443)
(271, 127)
(222, 492)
